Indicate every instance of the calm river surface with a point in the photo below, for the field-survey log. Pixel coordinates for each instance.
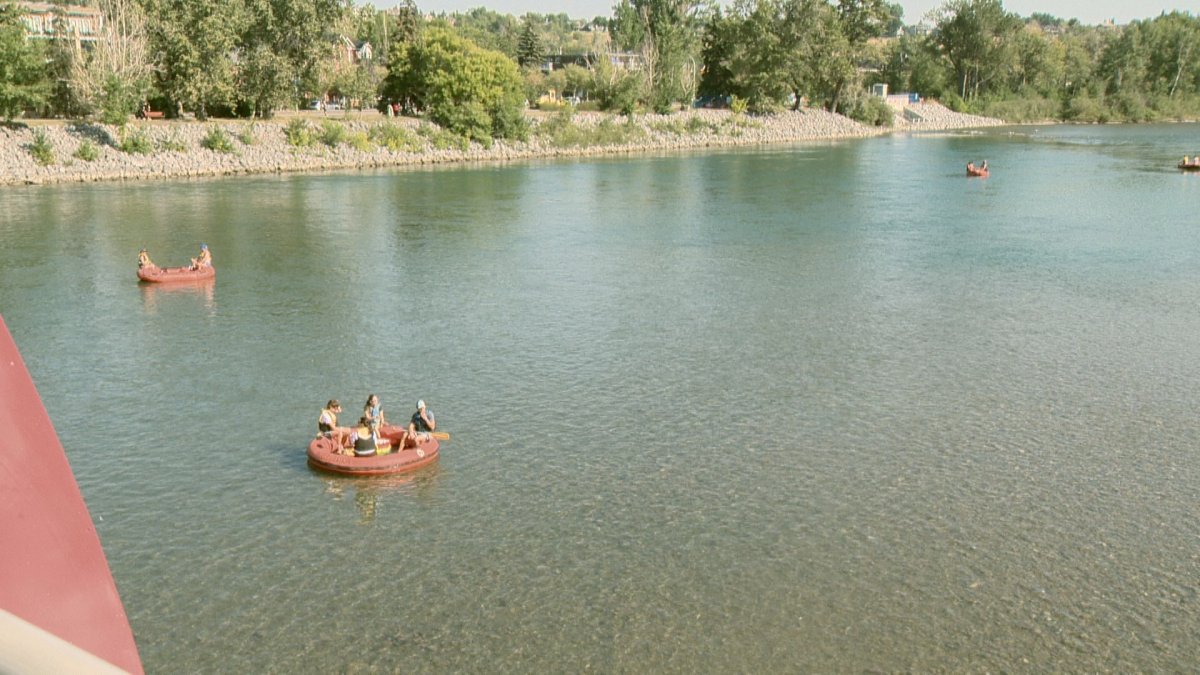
(814, 408)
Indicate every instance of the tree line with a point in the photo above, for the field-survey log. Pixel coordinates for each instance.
(474, 72)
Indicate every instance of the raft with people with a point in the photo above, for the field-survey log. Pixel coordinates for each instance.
(980, 171)
(401, 453)
(161, 275)
(1190, 164)
(201, 269)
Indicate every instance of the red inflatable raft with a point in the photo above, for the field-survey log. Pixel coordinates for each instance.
(167, 275)
(322, 455)
(977, 173)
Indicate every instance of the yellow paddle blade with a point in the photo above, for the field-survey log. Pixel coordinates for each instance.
(440, 435)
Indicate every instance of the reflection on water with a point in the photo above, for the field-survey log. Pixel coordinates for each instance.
(153, 293)
(823, 408)
(369, 492)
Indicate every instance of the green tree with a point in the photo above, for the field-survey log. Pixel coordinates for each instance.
(488, 29)
(284, 43)
(862, 20)
(60, 62)
(770, 50)
(667, 33)
(193, 42)
(974, 35)
(614, 88)
(1038, 63)
(114, 76)
(833, 69)
(472, 91)
(22, 84)
(717, 48)
(529, 46)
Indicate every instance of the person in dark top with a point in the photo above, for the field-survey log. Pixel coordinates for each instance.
(421, 424)
(363, 438)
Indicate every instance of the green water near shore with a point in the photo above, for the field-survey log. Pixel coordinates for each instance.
(815, 408)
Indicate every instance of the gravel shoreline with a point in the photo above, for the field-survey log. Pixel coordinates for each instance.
(177, 152)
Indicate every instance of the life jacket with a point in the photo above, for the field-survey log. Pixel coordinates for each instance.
(322, 425)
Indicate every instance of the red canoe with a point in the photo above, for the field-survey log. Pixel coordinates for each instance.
(166, 275)
(321, 455)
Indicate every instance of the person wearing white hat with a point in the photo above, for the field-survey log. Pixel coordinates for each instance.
(421, 424)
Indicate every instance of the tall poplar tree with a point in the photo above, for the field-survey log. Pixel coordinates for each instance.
(21, 83)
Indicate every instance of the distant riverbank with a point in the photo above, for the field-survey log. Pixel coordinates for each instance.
(60, 153)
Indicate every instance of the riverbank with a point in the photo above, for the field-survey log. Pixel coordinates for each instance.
(41, 153)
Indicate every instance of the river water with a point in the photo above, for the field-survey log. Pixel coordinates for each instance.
(815, 408)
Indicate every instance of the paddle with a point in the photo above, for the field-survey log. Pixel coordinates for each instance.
(440, 435)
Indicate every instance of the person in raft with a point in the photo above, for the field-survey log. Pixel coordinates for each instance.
(365, 440)
(373, 411)
(421, 424)
(983, 167)
(144, 261)
(204, 259)
(327, 424)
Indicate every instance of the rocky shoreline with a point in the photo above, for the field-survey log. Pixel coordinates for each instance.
(186, 149)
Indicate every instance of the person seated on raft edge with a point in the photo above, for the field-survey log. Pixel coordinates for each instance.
(983, 167)
(144, 261)
(365, 439)
(970, 167)
(204, 259)
(421, 424)
(327, 425)
(373, 411)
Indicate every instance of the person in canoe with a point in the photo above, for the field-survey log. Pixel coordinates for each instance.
(327, 424)
(365, 439)
(204, 259)
(373, 411)
(144, 261)
(421, 424)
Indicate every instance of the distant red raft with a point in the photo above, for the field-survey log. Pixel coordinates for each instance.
(322, 455)
(976, 173)
(168, 275)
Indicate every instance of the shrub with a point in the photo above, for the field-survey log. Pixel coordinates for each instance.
(332, 133)
(246, 136)
(693, 125)
(217, 141)
(41, 149)
(739, 105)
(1084, 108)
(1033, 108)
(396, 138)
(562, 131)
(443, 139)
(172, 144)
(87, 151)
(359, 141)
(298, 133)
(135, 142)
(869, 110)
